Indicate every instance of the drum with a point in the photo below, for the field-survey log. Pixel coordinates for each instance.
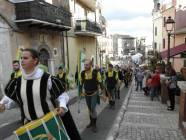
(49, 127)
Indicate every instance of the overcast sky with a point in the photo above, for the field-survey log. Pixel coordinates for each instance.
(131, 17)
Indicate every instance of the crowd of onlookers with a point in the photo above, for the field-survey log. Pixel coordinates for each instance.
(149, 82)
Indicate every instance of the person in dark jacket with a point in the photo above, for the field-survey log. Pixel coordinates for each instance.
(120, 79)
(171, 86)
(14, 75)
(91, 81)
(111, 81)
(63, 77)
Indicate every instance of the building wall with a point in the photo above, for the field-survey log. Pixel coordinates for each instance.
(157, 25)
(7, 10)
(170, 8)
(5, 55)
(6, 32)
(115, 45)
(76, 44)
(38, 40)
(180, 38)
(166, 13)
(63, 3)
(34, 38)
(178, 62)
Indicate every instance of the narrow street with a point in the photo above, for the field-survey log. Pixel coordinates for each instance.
(105, 121)
(51, 50)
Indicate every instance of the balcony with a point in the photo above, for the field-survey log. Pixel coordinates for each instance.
(89, 4)
(42, 15)
(87, 28)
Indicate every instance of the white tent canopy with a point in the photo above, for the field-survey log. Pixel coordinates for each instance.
(137, 58)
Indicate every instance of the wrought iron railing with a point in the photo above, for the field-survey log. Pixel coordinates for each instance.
(40, 10)
(87, 26)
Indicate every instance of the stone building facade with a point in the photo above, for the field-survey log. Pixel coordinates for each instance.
(32, 24)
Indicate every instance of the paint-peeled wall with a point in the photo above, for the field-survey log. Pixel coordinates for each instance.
(49, 41)
(76, 44)
(178, 62)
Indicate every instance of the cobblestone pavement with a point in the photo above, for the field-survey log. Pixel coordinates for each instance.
(148, 120)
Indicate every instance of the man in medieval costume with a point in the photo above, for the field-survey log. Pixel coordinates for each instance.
(38, 93)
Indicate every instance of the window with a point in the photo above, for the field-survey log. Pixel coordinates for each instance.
(164, 43)
(155, 30)
(184, 64)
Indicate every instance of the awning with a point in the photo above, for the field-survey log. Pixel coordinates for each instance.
(174, 51)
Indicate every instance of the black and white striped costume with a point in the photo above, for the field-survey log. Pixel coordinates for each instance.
(37, 97)
(37, 94)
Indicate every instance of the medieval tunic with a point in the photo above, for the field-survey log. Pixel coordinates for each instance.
(111, 80)
(90, 81)
(37, 94)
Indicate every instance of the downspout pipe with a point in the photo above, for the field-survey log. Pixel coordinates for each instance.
(67, 52)
(62, 48)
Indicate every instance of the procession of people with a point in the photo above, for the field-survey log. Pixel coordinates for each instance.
(43, 97)
(37, 92)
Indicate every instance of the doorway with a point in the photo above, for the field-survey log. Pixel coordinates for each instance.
(44, 56)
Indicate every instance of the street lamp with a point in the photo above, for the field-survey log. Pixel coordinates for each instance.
(169, 28)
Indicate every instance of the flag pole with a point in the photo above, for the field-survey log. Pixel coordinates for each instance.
(79, 74)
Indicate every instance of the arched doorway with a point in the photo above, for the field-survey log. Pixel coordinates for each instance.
(44, 56)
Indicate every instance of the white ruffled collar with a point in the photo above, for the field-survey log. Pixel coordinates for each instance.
(36, 74)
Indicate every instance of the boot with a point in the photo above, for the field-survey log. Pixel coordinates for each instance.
(94, 127)
(90, 124)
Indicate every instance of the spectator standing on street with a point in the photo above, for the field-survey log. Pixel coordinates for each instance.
(136, 70)
(147, 86)
(155, 85)
(171, 86)
(139, 80)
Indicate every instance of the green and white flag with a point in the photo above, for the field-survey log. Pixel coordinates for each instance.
(81, 61)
